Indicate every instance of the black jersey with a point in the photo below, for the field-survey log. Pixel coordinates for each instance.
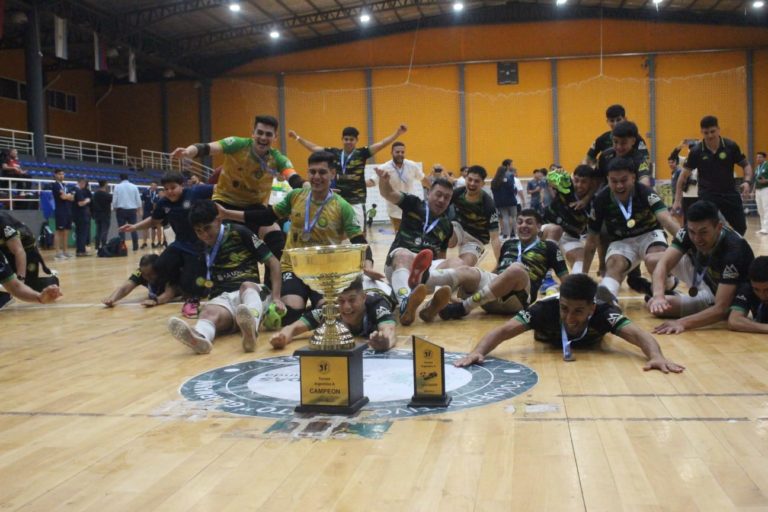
(639, 161)
(645, 205)
(727, 263)
(605, 142)
(177, 215)
(350, 178)
(573, 222)
(538, 257)
(414, 235)
(377, 311)
(478, 218)
(748, 302)
(11, 227)
(6, 272)
(544, 318)
(715, 168)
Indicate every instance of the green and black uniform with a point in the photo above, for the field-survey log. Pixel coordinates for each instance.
(544, 318)
(350, 178)
(237, 259)
(538, 259)
(378, 311)
(645, 205)
(153, 289)
(747, 302)
(639, 161)
(573, 222)
(727, 263)
(415, 234)
(478, 218)
(605, 142)
(11, 227)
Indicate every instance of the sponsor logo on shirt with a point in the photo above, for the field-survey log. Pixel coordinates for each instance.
(381, 311)
(653, 199)
(680, 236)
(730, 272)
(9, 231)
(526, 316)
(614, 318)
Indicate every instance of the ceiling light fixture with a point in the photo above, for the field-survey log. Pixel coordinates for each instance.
(561, 2)
(274, 34)
(365, 17)
(458, 6)
(757, 4)
(234, 7)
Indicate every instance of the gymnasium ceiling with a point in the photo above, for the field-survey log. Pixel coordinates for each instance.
(204, 38)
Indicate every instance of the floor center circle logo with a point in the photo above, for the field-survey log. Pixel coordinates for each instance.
(269, 387)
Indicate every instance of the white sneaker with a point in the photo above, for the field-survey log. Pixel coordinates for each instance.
(762, 232)
(249, 327)
(60, 256)
(188, 336)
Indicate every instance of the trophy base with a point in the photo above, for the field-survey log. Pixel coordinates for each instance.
(422, 401)
(331, 381)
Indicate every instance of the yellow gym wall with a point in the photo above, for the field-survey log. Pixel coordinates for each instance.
(428, 104)
(760, 108)
(586, 87)
(319, 106)
(509, 121)
(688, 87)
(236, 101)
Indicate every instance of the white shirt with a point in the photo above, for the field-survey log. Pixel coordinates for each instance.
(404, 179)
(126, 195)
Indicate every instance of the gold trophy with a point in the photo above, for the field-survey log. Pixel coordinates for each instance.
(331, 367)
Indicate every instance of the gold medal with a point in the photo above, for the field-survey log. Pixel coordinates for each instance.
(631, 223)
(693, 291)
(208, 283)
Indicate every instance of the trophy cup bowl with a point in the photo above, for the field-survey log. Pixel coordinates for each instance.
(329, 269)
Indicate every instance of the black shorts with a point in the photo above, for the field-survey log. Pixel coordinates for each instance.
(63, 219)
(292, 285)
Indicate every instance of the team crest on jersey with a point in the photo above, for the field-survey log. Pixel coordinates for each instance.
(730, 272)
(270, 388)
(322, 222)
(166, 209)
(9, 231)
(614, 318)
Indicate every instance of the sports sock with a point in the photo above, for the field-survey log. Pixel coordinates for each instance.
(612, 285)
(252, 300)
(442, 277)
(206, 329)
(400, 283)
(484, 296)
(577, 267)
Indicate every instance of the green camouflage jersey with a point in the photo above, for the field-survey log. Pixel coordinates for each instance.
(645, 205)
(414, 235)
(237, 259)
(538, 257)
(246, 179)
(350, 175)
(335, 223)
(478, 218)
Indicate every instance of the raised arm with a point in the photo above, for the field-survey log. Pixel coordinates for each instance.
(386, 141)
(198, 149)
(311, 146)
(385, 187)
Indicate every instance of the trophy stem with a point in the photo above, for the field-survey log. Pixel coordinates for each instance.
(332, 335)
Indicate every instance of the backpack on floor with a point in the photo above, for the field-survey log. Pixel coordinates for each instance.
(114, 247)
(45, 239)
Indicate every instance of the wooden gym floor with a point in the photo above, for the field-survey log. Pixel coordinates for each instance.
(91, 419)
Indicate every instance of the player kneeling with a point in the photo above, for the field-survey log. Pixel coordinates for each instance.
(573, 319)
(232, 256)
(366, 313)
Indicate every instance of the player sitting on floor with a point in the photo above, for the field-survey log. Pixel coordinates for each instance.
(366, 314)
(232, 256)
(145, 275)
(752, 298)
(18, 289)
(573, 320)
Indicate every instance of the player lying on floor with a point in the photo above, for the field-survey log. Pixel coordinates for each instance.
(367, 313)
(21, 291)
(573, 319)
(145, 275)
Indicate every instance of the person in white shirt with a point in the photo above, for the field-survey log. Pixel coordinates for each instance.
(404, 176)
(126, 202)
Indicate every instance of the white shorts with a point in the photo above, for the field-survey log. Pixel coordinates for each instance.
(359, 215)
(570, 243)
(510, 304)
(705, 298)
(230, 301)
(466, 243)
(634, 248)
(388, 269)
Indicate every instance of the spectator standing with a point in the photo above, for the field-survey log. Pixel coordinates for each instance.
(63, 200)
(126, 202)
(535, 189)
(101, 210)
(761, 191)
(82, 214)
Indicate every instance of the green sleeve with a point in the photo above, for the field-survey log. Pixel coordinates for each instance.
(281, 160)
(234, 144)
(283, 208)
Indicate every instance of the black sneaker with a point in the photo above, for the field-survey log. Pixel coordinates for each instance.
(5, 299)
(638, 283)
(453, 311)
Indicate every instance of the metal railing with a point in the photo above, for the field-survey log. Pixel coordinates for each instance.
(17, 139)
(75, 149)
(163, 161)
(24, 193)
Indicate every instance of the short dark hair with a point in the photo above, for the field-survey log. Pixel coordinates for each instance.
(397, 144)
(355, 286)
(578, 287)
(479, 170)
(758, 269)
(172, 177)
(622, 164)
(267, 120)
(57, 171)
(615, 111)
(319, 157)
(542, 171)
(703, 210)
(762, 153)
(584, 171)
(203, 211)
(148, 259)
(102, 183)
(123, 176)
(350, 131)
(530, 212)
(708, 122)
(442, 182)
(506, 162)
(79, 180)
(625, 129)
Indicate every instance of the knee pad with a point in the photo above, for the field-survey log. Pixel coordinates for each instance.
(291, 315)
(275, 240)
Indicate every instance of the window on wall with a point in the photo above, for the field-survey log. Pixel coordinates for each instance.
(15, 90)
